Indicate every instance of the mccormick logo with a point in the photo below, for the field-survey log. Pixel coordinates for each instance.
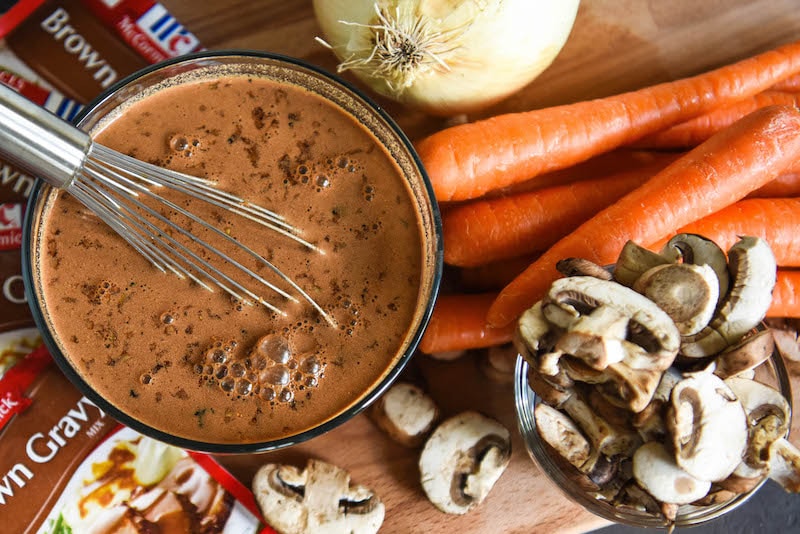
(10, 226)
(165, 30)
(11, 403)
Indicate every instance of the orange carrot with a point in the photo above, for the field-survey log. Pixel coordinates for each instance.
(468, 160)
(792, 83)
(496, 229)
(786, 185)
(776, 220)
(492, 231)
(458, 322)
(693, 132)
(721, 171)
(494, 276)
(786, 295)
(614, 162)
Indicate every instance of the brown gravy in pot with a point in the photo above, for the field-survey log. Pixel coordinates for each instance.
(198, 364)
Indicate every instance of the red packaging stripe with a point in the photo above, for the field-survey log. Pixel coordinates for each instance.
(17, 380)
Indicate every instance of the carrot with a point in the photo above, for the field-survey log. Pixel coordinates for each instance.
(485, 234)
(776, 220)
(467, 160)
(614, 162)
(786, 295)
(496, 229)
(721, 171)
(693, 132)
(458, 322)
(785, 185)
(792, 83)
(494, 276)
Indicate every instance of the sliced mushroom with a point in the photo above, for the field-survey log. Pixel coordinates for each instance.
(785, 332)
(743, 479)
(550, 392)
(699, 250)
(768, 416)
(534, 332)
(650, 421)
(633, 496)
(616, 413)
(754, 270)
(634, 260)
(648, 325)
(596, 338)
(320, 498)
(688, 293)
(582, 267)
(498, 362)
(462, 460)
(605, 438)
(562, 434)
(749, 353)
(534, 339)
(708, 427)
(635, 387)
(656, 471)
(716, 495)
(406, 413)
(784, 465)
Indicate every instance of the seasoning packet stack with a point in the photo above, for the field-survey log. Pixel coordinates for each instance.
(65, 465)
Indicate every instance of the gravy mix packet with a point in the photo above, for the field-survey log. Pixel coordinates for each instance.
(61, 54)
(67, 467)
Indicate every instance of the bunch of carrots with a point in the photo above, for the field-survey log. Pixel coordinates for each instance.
(716, 154)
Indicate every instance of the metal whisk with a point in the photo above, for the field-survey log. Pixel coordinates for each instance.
(112, 184)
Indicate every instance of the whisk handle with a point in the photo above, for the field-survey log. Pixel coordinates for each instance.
(38, 141)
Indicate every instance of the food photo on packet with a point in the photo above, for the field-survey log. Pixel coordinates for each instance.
(396, 265)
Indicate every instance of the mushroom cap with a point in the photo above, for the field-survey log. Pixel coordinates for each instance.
(462, 460)
(655, 470)
(708, 427)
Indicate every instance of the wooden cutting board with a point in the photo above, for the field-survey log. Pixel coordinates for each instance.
(615, 45)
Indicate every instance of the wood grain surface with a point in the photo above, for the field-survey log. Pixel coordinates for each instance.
(615, 45)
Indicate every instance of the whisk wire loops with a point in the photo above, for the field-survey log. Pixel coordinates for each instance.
(114, 187)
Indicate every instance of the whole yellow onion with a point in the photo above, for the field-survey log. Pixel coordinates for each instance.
(446, 56)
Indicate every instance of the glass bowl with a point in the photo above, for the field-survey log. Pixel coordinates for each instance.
(568, 479)
(385, 133)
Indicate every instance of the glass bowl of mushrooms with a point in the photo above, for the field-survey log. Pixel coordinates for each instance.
(642, 414)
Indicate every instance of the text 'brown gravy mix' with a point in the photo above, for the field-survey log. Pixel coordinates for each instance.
(198, 364)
